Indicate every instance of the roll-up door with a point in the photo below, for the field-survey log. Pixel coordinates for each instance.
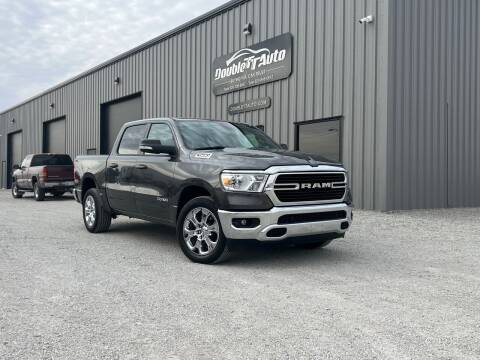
(14, 154)
(54, 136)
(114, 115)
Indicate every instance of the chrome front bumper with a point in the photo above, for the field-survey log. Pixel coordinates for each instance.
(269, 221)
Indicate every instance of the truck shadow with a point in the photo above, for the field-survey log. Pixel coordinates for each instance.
(66, 197)
(243, 254)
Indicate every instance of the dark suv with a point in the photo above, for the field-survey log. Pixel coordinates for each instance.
(43, 173)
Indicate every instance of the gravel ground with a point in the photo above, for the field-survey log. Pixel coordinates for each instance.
(399, 286)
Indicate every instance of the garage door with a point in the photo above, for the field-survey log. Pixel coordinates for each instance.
(114, 116)
(54, 136)
(14, 154)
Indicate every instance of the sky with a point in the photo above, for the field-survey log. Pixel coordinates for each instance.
(43, 42)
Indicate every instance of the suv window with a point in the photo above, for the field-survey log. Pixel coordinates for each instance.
(49, 160)
(163, 133)
(131, 139)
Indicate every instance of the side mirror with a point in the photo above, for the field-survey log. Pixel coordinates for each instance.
(16, 167)
(156, 147)
(284, 146)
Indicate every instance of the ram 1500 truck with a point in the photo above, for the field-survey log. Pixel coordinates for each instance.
(217, 182)
(43, 173)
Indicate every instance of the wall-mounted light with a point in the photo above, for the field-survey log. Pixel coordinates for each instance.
(51, 106)
(247, 29)
(366, 20)
(116, 80)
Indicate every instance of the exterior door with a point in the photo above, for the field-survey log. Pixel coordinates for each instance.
(120, 170)
(14, 154)
(54, 137)
(114, 115)
(153, 176)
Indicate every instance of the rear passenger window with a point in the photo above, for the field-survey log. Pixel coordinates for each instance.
(131, 140)
(163, 133)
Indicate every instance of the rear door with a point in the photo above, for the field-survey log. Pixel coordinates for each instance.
(154, 175)
(120, 169)
(22, 179)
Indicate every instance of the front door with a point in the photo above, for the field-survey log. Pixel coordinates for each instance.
(23, 179)
(120, 170)
(154, 176)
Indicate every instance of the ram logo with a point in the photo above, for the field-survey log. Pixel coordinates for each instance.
(325, 185)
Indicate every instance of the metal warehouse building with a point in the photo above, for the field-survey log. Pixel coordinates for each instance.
(395, 98)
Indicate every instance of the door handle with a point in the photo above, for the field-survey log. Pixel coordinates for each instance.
(113, 165)
(141, 166)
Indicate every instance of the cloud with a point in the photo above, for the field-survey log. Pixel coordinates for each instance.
(44, 42)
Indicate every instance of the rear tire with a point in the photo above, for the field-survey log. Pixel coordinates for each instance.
(199, 232)
(314, 245)
(17, 194)
(38, 192)
(95, 217)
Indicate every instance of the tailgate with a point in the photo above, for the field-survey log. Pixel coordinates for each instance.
(59, 172)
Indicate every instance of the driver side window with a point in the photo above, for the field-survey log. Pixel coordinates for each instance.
(163, 133)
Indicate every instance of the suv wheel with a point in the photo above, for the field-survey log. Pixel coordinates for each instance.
(38, 192)
(95, 217)
(17, 194)
(199, 232)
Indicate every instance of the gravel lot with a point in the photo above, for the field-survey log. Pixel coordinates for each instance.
(399, 286)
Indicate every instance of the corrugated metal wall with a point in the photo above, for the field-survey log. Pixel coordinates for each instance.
(434, 111)
(339, 68)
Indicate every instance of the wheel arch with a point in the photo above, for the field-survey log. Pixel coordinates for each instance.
(192, 190)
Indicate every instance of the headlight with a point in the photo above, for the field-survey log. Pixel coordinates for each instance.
(239, 181)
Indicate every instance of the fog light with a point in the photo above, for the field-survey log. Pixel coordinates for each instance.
(344, 225)
(245, 223)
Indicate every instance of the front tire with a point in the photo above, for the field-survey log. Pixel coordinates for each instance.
(38, 192)
(199, 232)
(95, 217)
(17, 194)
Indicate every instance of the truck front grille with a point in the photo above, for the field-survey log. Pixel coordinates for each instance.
(306, 187)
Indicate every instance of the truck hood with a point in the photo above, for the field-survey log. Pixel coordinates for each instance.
(249, 159)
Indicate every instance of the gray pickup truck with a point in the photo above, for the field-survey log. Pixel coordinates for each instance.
(217, 182)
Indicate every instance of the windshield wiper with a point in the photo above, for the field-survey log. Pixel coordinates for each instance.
(210, 148)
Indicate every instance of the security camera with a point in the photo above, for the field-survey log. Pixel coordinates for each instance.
(366, 20)
(247, 29)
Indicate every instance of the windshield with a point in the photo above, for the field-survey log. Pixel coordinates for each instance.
(204, 135)
(48, 160)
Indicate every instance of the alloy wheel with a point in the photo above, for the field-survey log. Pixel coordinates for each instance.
(90, 212)
(201, 231)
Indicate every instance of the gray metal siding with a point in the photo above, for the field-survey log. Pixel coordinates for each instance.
(434, 113)
(339, 69)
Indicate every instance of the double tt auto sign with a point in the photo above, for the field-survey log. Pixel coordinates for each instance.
(261, 63)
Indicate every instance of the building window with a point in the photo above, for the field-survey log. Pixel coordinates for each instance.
(320, 137)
